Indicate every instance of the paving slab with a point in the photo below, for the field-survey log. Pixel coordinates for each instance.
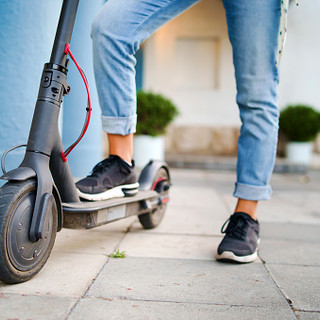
(101, 309)
(65, 274)
(189, 220)
(189, 195)
(192, 211)
(290, 231)
(199, 212)
(93, 241)
(290, 252)
(188, 281)
(300, 284)
(292, 207)
(28, 307)
(141, 244)
(308, 315)
(301, 198)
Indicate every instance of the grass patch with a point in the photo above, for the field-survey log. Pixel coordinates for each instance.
(118, 254)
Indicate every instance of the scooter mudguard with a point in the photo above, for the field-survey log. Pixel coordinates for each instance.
(25, 173)
(19, 174)
(148, 173)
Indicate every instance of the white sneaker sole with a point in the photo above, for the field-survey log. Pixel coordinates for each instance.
(230, 256)
(116, 192)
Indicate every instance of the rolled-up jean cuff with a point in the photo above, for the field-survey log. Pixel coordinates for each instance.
(119, 125)
(250, 192)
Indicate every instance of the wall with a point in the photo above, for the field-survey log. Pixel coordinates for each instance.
(26, 36)
(190, 60)
(300, 65)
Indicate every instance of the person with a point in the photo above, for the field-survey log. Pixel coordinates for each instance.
(118, 31)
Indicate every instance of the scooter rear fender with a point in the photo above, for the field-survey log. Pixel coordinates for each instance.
(148, 173)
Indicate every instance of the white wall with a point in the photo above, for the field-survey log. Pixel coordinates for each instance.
(300, 64)
(190, 61)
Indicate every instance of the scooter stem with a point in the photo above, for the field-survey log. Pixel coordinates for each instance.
(44, 143)
(64, 31)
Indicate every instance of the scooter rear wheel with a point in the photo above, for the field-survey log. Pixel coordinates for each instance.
(161, 184)
(20, 258)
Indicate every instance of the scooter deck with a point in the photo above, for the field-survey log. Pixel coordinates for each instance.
(87, 215)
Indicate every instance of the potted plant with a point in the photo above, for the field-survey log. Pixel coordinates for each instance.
(301, 125)
(155, 113)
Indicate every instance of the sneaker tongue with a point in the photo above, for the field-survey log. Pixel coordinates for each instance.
(114, 156)
(238, 225)
(117, 158)
(100, 167)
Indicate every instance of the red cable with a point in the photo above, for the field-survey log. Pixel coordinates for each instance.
(68, 51)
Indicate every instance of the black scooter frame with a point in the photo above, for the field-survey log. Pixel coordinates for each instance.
(43, 160)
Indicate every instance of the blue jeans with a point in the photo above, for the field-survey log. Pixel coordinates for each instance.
(253, 25)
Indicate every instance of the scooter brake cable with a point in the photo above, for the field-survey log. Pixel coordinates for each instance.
(65, 153)
(3, 158)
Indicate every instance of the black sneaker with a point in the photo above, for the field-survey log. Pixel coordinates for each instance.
(110, 178)
(240, 244)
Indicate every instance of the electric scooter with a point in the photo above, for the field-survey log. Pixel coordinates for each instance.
(40, 196)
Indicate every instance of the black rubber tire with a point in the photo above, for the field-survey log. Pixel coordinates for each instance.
(153, 219)
(21, 259)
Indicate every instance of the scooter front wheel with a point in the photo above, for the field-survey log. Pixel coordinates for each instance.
(20, 258)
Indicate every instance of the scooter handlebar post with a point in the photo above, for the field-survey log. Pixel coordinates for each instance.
(64, 31)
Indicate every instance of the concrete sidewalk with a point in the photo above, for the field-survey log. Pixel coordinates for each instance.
(170, 272)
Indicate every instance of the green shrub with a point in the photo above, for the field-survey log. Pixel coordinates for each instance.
(155, 113)
(300, 123)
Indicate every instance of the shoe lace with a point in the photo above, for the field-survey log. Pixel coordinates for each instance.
(102, 165)
(237, 227)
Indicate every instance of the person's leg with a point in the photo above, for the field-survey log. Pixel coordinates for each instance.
(117, 32)
(247, 206)
(253, 27)
(121, 146)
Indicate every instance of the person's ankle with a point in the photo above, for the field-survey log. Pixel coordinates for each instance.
(251, 215)
(121, 146)
(247, 206)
